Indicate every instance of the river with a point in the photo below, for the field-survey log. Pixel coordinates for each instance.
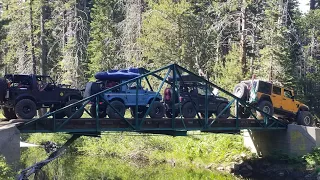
(80, 167)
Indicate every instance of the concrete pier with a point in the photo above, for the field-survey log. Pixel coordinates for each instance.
(295, 141)
(10, 144)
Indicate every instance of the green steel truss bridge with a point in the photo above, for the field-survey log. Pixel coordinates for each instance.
(171, 126)
(179, 126)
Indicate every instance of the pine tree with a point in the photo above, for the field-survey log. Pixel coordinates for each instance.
(104, 47)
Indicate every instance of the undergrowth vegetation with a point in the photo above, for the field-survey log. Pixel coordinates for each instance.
(192, 150)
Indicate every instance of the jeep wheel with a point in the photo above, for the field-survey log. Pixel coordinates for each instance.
(169, 114)
(59, 115)
(188, 110)
(102, 111)
(226, 112)
(305, 118)
(243, 112)
(8, 113)
(141, 112)
(25, 109)
(203, 115)
(157, 110)
(266, 107)
(119, 106)
(241, 91)
(3, 88)
(74, 110)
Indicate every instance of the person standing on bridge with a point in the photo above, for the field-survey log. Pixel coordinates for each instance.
(202, 74)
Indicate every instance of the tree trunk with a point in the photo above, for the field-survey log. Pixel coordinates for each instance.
(312, 4)
(33, 58)
(243, 49)
(43, 43)
(131, 31)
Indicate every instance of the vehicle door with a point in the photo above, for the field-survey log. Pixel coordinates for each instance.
(45, 90)
(200, 98)
(288, 100)
(131, 94)
(276, 97)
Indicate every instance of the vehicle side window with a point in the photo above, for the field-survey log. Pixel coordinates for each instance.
(287, 93)
(276, 90)
(264, 87)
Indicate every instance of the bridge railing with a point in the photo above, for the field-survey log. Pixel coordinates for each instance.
(178, 114)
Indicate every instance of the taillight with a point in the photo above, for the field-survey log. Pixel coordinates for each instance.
(180, 99)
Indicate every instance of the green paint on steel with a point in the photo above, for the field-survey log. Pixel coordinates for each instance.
(203, 123)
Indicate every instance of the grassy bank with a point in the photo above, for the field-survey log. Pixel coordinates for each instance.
(192, 150)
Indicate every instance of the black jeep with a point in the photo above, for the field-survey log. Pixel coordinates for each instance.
(192, 98)
(22, 95)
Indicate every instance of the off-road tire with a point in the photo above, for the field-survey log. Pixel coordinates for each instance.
(102, 111)
(203, 115)
(25, 109)
(3, 88)
(305, 118)
(8, 113)
(119, 106)
(243, 112)
(221, 107)
(59, 115)
(188, 110)
(267, 107)
(157, 110)
(169, 114)
(141, 112)
(241, 91)
(75, 109)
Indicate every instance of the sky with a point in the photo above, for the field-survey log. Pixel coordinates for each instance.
(304, 5)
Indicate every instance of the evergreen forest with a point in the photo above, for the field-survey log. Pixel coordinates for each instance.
(229, 40)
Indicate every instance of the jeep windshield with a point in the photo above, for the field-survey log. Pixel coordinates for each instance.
(45, 79)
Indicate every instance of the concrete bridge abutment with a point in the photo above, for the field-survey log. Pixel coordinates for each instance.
(10, 144)
(296, 140)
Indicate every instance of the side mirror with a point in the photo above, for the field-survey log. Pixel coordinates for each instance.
(292, 98)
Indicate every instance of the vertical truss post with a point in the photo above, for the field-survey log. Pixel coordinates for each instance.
(174, 73)
(97, 112)
(237, 113)
(206, 108)
(179, 103)
(136, 106)
(54, 122)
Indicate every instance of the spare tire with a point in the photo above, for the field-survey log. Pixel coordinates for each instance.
(241, 91)
(3, 88)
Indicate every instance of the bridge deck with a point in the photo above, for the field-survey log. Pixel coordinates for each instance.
(90, 125)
